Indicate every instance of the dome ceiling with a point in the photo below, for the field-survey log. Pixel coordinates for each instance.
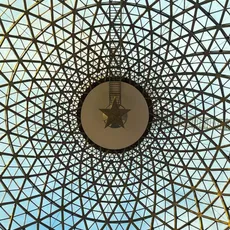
(52, 177)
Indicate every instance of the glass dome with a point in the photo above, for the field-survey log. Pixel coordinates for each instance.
(177, 177)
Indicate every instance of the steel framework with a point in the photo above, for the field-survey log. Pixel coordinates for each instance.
(177, 177)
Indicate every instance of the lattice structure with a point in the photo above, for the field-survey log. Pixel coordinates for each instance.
(52, 178)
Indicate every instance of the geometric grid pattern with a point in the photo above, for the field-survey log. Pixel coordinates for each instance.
(177, 177)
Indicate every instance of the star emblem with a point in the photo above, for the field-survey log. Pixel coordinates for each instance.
(114, 114)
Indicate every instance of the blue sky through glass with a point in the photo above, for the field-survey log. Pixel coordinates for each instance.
(177, 177)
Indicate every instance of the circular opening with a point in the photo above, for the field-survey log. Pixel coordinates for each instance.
(98, 114)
